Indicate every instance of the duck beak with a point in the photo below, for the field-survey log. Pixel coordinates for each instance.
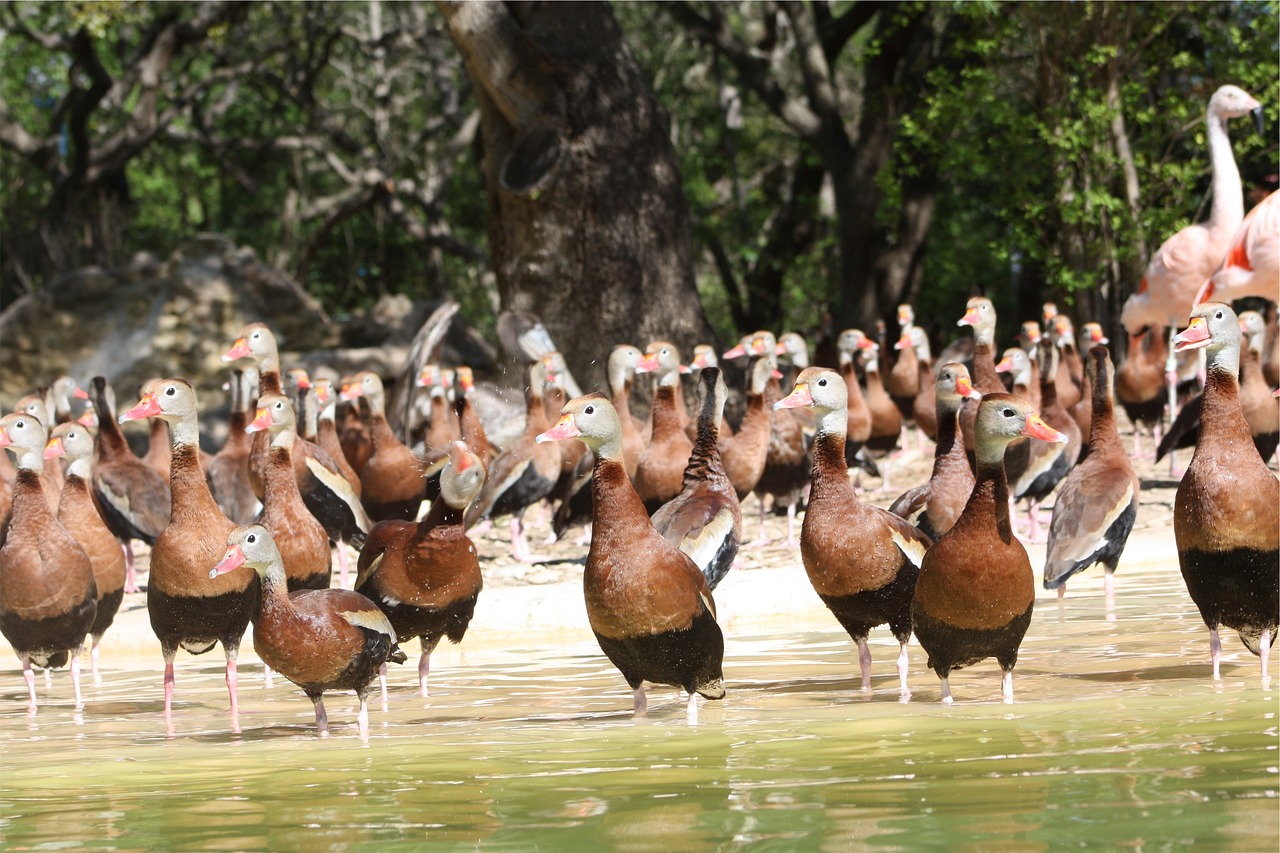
(970, 318)
(239, 349)
(79, 393)
(460, 456)
(5, 441)
(1037, 428)
(1005, 365)
(903, 342)
(89, 419)
(232, 560)
(648, 364)
(147, 408)
(799, 398)
(261, 421)
(737, 352)
(966, 390)
(54, 448)
(1195, 336)
(351, 392)
(564, 428)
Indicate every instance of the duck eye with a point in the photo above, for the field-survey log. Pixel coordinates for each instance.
(256, 335)
(1217, 316)
(19, 424)
(822, 383)
(251, 538)
(1008, 413)
(170, 391)
(589, 410)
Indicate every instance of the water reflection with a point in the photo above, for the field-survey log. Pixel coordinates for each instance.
(1118, 738)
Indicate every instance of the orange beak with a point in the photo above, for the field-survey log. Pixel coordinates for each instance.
(1005, 365)
(903, 342)
(261, 421)
(351, 392)
(1036, 428)
(648, 364)
(460, 456)
(965, 389)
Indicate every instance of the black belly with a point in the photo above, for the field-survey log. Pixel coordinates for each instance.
(691, 658)
(891, 603)
(108, 606)
(1109, 554)
(197, 623)
(951, 648)
(1236, 588)
(47, 641)
(319, 580)
(428, 623)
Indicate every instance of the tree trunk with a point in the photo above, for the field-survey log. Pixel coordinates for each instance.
(588, 225)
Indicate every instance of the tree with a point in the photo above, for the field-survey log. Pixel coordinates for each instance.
(588, 226)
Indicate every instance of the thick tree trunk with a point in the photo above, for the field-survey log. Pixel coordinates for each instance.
(588, 225)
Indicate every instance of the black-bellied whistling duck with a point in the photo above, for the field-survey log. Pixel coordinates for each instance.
(903, 380)
(660, 472)
(649, 607)
(886, 420)
(391, 484)
(849, 344)
(1029, 335)
(1091, 335)
(743, 455)
(1070, 369)
(862, 560)
(470, 427)
(34, 405)
(981, 315)
(523, 473)
(1034, 468)
(320, 639)
(1098, 501)
(975, 592)
(704, 355)
(935, 505)
(794, 350)
(327, 431)
(923, 406)
(571, 494)
(8, 476)
(257, 342)
(353, 435)
(48, 596)
(443, 428)
(786, 465)
(188, 609)
(705, 520)
(623, 361)
(59, 396)
(1259, 407)
(77, 513)
(297, 382)
(1025, 373)
(426, 576)
(228, 471)
(1140, 384)
(1226, 515)
(303, 543)
(133, 499)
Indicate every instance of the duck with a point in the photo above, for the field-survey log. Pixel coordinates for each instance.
(34, 405)
(849, 344)
(133, 499)
(1091, 335)
(923, 405)
(391, 484)
(297, 382)
(1034, 468)
(48, 599)
(705, 520)
(571, 494)
(1069, 375)
(660, 471)
(1226, 514)
(320, 639)
(743, 454)
(187, 608)
(975, 593)
(79, 516)
(302, 540)
(257, 343)
(1259, 407)
(861, 559)
(1140, 385)
(704, 355)
(61, 392)
(903, 380)
(934, 506)
(649, 606)
(980, 314)
(886, 419)
(470, 427)
(353, 435)
(523, 473)
(786, 464)
(443, 428)
(1024, 371)
(425, 576)
(228, 470)
(620, 374)
(1098, 500)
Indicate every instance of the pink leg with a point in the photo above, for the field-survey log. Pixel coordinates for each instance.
(232, 682)
(903, 690)
(344, 565)
(48, 678)
(1035, 533)
(946, 693)
(130, 573)
(1137, 442)
(763, 538)
(322, 719)
(424, 667)
(639, 701)
(267, 681)
(168, 684)
(30, 677)
(362, 719)
(920, 440)
(1109, 592)
(792, 542)
(75, 676)
(1215, 653)
(1006, 687)
(884, 477)
(382, 684)
(864, 664)
(691, 710)
(93, 658)
(1264, 652)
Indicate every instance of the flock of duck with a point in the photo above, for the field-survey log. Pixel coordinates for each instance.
(245, 535)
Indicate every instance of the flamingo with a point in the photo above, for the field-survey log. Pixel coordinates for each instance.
(1251, 266)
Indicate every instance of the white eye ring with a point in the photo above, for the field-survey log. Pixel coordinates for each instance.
(251, 538)
(589, 410)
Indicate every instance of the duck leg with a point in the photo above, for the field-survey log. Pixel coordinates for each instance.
(864, 663)
(691, 710)
(382, 685)
(48, 678)
(1215, 653)
(946, 693)
(169, 655)
(1109, 592)
(792, 542)
(130, 572)
(322, 719)
(93, 659)
(232, 683)
(362, 718)
(344, 566)
(30, 677)
(75, 676)
(763, 538)
(639, 701)
(424, 663)
(1264, 652)
(903, 691)
(1006, 686)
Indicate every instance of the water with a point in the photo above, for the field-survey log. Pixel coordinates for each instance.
(1117, 738)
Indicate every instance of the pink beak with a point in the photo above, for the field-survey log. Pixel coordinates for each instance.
(648, 364)
(232, 560)
(564, 428)
(799, 398)
(1005, 365)
(736, 352)
(261, 421)
(1037, 428)
(970, 318)
(79, 393)
(239, 349)
(460, 456)
(4, 438)
(54, 448)
(147, 408)
(1193, 337)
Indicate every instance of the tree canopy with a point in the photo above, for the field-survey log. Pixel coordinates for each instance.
(835, 157)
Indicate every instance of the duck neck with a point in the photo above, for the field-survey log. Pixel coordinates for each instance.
(985, 378)
(665, 418)
(1221, 418)
(79, 468)
(269, 377)
(187, 484)
(705, 458)
(830, 472)
(991, 491)
(615, 502)
(1102, 418)
(949, 446)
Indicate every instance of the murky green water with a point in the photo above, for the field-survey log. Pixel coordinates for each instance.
(1117, 738)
